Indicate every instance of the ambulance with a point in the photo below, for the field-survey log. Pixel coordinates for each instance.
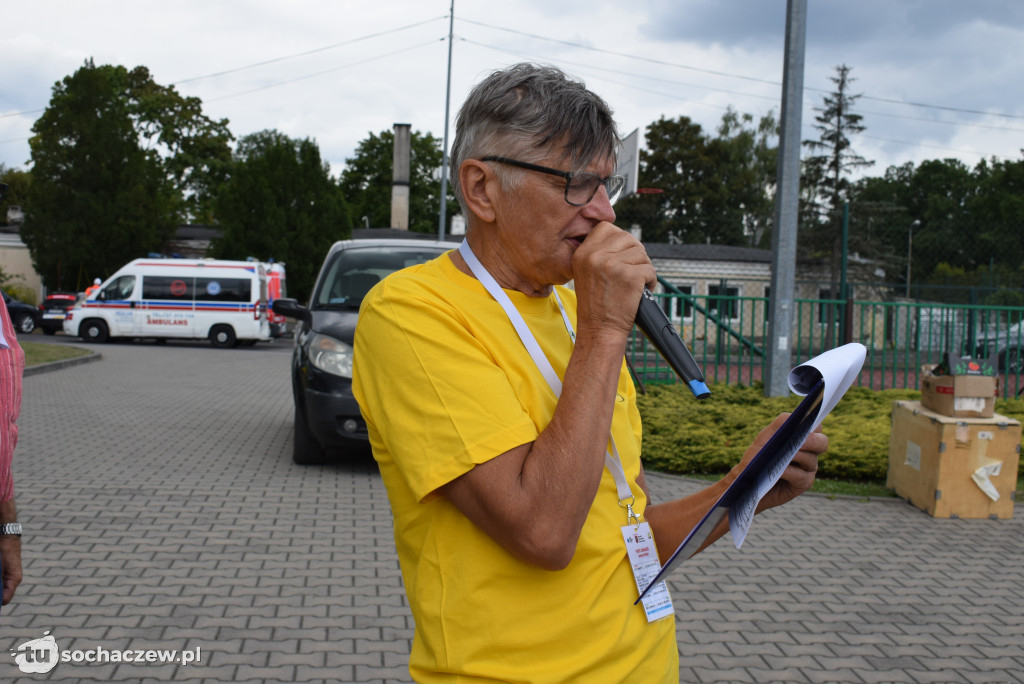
(222, 301)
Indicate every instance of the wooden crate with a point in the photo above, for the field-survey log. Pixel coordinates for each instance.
(932, 458)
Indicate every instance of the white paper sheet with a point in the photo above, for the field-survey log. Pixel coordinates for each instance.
(822, 381)
(838, 369)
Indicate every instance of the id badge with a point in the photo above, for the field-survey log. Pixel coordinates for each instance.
(643, 557)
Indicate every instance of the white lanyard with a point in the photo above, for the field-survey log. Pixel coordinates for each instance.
(612, 462)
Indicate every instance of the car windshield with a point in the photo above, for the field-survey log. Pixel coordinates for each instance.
(352, 272)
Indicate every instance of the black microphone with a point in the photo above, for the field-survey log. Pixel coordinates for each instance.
(659, 331)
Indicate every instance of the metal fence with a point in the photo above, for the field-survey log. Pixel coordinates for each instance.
(727, 335)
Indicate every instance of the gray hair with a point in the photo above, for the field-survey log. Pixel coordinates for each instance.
(527, 111)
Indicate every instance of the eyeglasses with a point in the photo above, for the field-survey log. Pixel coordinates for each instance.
(580, 186)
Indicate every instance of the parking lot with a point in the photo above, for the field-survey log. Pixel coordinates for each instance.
(163, 513)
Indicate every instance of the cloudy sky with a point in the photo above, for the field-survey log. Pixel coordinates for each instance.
(939, 78)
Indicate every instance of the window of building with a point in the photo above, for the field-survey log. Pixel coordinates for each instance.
(677, 307)
(722, 301)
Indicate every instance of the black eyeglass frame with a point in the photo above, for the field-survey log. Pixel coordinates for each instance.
(567, 175)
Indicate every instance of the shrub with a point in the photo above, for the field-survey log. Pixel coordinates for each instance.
(22, 293)
(686, 436)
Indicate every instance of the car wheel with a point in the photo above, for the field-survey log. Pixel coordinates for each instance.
(94, 331)
(306, 450)
(24, 323)
(223, 336)
(1012, 360)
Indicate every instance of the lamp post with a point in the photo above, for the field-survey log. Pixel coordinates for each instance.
(910, 252)
(443, 217)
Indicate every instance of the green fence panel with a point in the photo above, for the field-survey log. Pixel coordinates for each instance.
(728, 334)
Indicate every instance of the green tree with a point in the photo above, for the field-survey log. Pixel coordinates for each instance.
(118, 163)
(711, 189)
(281, 202)
(997, 211)
(827, 174)
(880, 221)
(17, 182)
(936, 199)
(366, 181)
(964, 223)
(676, 162)
(746, 174)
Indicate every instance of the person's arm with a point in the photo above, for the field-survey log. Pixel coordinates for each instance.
(534, 499)
(672, 521)
(10, 552)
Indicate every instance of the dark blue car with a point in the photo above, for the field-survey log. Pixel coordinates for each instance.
(25, 317)
(326, 414)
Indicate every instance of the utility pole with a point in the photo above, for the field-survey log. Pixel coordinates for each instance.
(444, 154)
(787, 205)
(910, 251)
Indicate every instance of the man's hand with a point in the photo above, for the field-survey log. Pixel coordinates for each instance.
(610, 270)
(799, 474)
(10, 557)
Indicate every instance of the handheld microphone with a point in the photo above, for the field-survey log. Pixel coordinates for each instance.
(659, 331)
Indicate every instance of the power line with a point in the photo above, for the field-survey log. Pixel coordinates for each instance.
(943, 107)
(325, 71)
(592, 68)
(307, 52)
(274, 60)
(933, 147)
(30, 111)
(729, 75)
(588, 66)
(773, 98)
(711, 72)
(621, 54)
(944, 122)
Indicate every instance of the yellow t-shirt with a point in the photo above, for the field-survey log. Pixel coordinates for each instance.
(444, 383)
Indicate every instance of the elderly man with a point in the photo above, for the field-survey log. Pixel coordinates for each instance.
(504, 419)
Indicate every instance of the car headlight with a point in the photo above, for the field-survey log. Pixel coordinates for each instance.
(330, 355)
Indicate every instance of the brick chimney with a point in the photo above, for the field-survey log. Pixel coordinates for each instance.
(400, 178)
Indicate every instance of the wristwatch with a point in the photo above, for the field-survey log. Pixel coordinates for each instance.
(13, 528)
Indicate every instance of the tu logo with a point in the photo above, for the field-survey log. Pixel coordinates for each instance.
(38, 655)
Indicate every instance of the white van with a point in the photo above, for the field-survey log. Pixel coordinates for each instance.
(223, 301)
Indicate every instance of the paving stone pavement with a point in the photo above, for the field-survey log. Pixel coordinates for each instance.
(163, 512)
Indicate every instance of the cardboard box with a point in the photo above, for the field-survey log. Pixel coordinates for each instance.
(968, 395)
(950, 467)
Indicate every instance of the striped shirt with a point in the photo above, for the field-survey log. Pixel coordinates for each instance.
(12, 364)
